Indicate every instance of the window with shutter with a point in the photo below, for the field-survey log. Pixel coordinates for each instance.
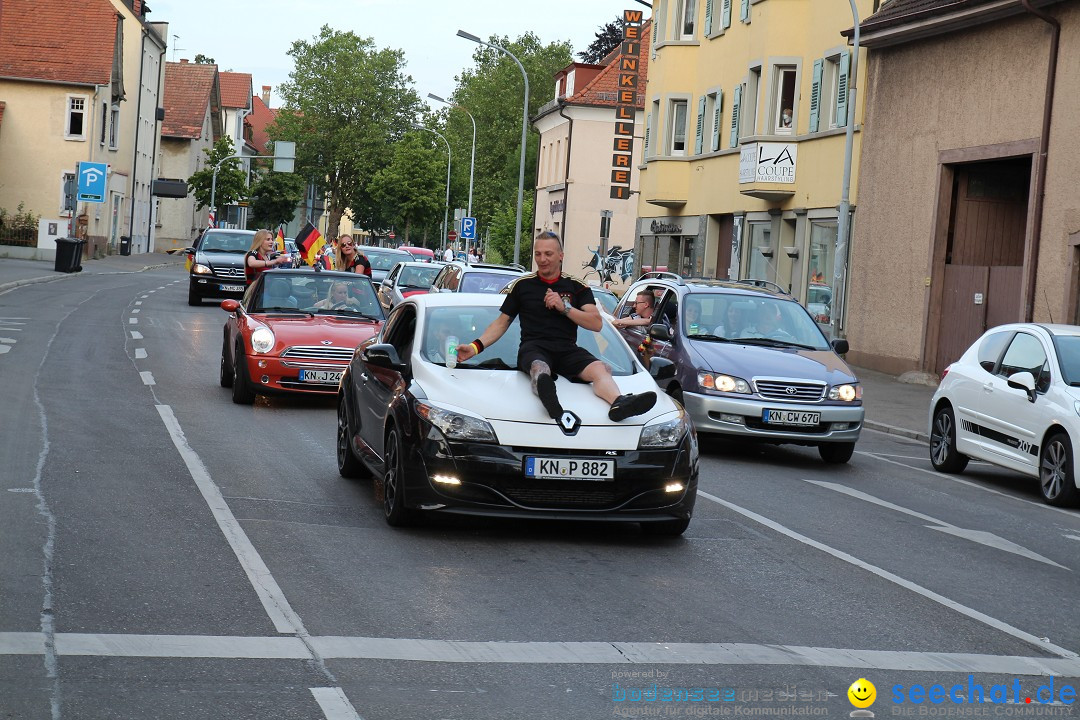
(744, 11)
(815, 96)
(700, 136)
(678, 112)
(842, 90)
(648, 134)
(736, 107)
(725, 14)
(708, 18)
(718, 106)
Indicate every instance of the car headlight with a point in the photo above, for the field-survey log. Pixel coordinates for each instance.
(665, 432)
(723, 383)
(847, 393)
(262, 340)
(198, 269)
(457, 426)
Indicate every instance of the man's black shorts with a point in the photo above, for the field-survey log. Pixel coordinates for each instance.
(567, 360)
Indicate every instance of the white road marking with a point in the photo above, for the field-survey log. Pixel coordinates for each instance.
(983, 618)
(529, 653)
(22, 490)
(4, 349)
(8, 340)
(1073, 537)
(975, 485)
(133, 321)
(138, 302)
(135, 335)
(140, 353)
(135, 311)
(334, 704)
(978, 536)
(147, 377)
(144, 296)
(270, 594)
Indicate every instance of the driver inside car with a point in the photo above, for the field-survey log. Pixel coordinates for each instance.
(767, 324)
(338, 298)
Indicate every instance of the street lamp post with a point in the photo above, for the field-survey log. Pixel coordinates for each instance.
(843, 228)
(472, 161)
(446, 210)
(524, 136)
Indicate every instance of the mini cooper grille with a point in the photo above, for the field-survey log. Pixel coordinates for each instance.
(318, 352)
(790, 391)
(229, 272)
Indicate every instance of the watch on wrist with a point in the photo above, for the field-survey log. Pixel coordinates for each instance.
(566, 306)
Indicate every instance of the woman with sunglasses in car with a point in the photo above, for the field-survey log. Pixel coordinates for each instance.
(350, 259)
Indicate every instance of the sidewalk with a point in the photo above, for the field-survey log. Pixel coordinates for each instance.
(895, 407)
(14, 272)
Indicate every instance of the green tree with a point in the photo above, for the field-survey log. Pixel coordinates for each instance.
(492, 91)
(204, 60)
(345, 103)
(274, 198)
(231, 179)
(411, 189)
(500, 245)
(608, 37)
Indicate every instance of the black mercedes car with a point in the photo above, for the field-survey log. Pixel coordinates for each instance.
(216, 264)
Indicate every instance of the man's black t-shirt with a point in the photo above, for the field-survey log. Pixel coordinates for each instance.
(525, 297)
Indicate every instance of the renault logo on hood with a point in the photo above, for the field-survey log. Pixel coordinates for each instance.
(569, 423)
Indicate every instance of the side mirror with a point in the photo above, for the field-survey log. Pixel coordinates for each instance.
(1023, 381)
(662, 368)
(659, 331)
(230, 306)
(840, 346)
(383, 355)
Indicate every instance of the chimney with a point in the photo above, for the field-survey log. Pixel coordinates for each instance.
(266, 95)
(136, 7)
(183, 60)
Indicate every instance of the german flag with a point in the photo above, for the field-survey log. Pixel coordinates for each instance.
(280, 240)
(310, 242)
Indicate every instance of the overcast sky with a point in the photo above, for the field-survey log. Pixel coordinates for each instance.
(253, 36)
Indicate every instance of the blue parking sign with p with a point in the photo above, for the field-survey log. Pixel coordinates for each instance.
(92, 177)
(468, 228)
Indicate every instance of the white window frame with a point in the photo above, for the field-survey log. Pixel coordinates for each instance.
(71, 111)
(672, 113)
(686, 8)
(114, 126)
(748, 111)
(779, 72)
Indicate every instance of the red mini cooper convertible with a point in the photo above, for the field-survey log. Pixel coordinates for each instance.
(295, 331)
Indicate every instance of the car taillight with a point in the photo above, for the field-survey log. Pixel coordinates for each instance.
(945, 372)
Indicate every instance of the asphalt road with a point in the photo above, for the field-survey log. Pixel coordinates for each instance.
(165, 553)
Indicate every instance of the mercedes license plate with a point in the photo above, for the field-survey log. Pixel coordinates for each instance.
(569, 469)
(320, 377)
(791, 417)
(232, 288)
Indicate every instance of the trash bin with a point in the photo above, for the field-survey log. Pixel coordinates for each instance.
(125, 245)
(69, 255)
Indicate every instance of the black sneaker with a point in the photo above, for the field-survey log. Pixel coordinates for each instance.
(629, 405)
(545, 388)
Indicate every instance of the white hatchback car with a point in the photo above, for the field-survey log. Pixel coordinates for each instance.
(1013, 399)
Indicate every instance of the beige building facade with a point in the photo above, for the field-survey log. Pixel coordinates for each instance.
(950, 238)
(747, 108)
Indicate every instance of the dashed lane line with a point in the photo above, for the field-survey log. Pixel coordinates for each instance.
(136, 335)
(334, 704)
(147, 377)
(140, 353)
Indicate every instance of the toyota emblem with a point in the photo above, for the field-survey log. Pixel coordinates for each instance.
(790, 390)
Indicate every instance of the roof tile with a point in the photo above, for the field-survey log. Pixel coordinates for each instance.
(57, 40)
(235, 89)
(187, 94)
(261, 116)
(603, 90)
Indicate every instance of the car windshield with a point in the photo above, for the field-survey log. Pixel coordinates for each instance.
(484, 282)
(320, 294)
(605, 299)
(466, 323)
(1068, 352)
(225, 241)
(418, 277)
(384, 260)
(756, 320)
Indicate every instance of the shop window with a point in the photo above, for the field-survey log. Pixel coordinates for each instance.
(819, 296)
(760, 252)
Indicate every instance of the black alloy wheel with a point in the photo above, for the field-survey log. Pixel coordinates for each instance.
(943, 453)
(394, 482)
(1056, 472)
(241, 389)
(193, 297)
(226, 374)
(348, 465)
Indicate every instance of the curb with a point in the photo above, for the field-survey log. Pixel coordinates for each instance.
(894, 430)
(4, 287)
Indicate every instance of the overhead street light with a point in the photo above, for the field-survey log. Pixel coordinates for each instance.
(524, 136)
(472, 161)
(446, 210)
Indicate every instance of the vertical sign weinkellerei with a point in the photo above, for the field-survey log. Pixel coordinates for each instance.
(626, 106)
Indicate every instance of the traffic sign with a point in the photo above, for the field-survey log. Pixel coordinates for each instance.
(391, 235)
(92, 177)
(451, 236)
(468, 228)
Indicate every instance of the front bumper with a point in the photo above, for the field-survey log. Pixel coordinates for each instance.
(493, 482)
(270, 374)
(706, 412)
(214, 286)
